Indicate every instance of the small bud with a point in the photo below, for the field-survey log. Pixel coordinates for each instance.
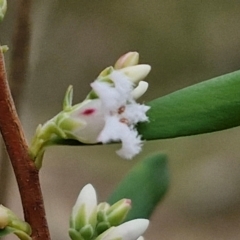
(3, 9)
(127, 60)
(118, 212)
(101, 211)
(136, 73)
(4, 219)
(20, 228)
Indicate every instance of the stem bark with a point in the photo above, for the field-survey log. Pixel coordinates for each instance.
(25, 171)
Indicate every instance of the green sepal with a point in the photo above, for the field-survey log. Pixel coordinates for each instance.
(67, 101)
(20, 225)
(145, 185)
(6, 231)
(74, 235)
(102, 227)
(22, 235)
(87, 231)
(205, 107)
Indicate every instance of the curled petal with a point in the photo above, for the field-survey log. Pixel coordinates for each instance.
(139, 90)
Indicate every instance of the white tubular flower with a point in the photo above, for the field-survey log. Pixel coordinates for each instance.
(131, 230)
(109, 112)
(84, 213)
(121, 112)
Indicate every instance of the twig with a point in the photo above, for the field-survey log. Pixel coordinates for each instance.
(24, 168)
(17, 77)
(20, 50)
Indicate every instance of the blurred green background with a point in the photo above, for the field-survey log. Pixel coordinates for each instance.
(185, 42)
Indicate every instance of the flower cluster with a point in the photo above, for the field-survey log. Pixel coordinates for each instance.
(109, 112)
(90, 221)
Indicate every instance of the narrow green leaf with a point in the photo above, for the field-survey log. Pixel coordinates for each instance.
(145, 185)
(208, 106)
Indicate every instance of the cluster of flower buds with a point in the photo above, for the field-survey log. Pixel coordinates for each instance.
(92, 221)
(10, 223)
(109, 112)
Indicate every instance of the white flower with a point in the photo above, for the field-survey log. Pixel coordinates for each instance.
(130, 230)
(85, 209)
(121, 112)
(109, 112)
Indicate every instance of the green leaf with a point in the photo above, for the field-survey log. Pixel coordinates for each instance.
(145, 185)
(6, 231)
(208, 106)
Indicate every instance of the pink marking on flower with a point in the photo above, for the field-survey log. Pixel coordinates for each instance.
(129, 201)
(88, 111)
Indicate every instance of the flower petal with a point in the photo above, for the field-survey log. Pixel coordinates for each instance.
(115, 130)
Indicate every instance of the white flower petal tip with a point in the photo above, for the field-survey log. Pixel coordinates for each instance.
(127, 60)
(136, 73)
(131, 230)
(141, 238)
(87, 195)
(135, 228)
(140, 90)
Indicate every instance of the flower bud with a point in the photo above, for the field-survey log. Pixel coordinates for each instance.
(4, 219)
(117, 212)
(84, 213)
(127, 60)
(136, 73)
(20, 228)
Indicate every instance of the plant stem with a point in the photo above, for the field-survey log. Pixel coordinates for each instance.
(24, 168)
(20, 50)
(17, 78)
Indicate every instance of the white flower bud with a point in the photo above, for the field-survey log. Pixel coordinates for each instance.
(127, 60)
(84, 212)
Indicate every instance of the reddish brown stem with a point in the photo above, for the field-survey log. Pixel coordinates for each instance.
(20, 50)
(24, 168)
(17, 76)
